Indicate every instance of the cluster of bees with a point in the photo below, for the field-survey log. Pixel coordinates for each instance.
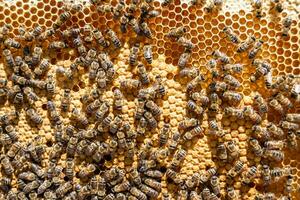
(99, 132)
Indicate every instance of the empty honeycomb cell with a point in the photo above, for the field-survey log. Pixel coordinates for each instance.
(288, 61)
(1, 16)
(287, 53)
(7, 20)
(172, 23)
(281, 67)
(49, 23)
(6, 12)
(25, 7)
(289, 69)
(54, 10)
(280, 51)
(88, 20)
(296, 71)
(235, 25)
(177, 9)
(228, 22)
(294, 39)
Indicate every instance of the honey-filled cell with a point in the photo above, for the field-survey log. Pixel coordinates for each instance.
(157, 92)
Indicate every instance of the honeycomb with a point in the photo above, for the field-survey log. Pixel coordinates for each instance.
(205, 31)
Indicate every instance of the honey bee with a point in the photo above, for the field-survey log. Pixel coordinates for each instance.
(291, 139)
(142, 72)
(92, 107)
(105, 8)
(293, 117)
(150, 119)
(57, 45)
(196, 131)
(78, 117)
(195, 82)
(100, 38)
(220, 56)
(283, 100)
(118, 99)
(146, 30)
(102, 111)
(260, 71)
(278, 172)
(244, 46)
(11, 43)
(289, 125)
(54, 116)
(256, 47)
(232, 149)
(213, 5)
(173, 142)
(237, 168)
(10, 62)
(184, 58)
(266, 174)
(36, 55)
(255, 147)
(43, 187)
(154, 109)
(295, 91)
(178, 158)
(189, 72)
(249, 175)
(177, 32)
(66, 100)
(116, 124)
(253, 116)
(273, 103)
(232, 81)
(257, 5)
(63, 189)
(231, 193)
(232, 97)
(31, 96)
(231, 35)
(107, 121)
(214, 127)
(42, 68)
(166, 2)
(138, 193)
(188, 123)
(7, 166)
(187, 44)
(4, 30)
(31, 186)
(288, 187)
(5, 184)
(273, 144)
(233, 68)
(28, 176)
(148, 53)
(134, 54)
(124, 21)
(276, 155)
(3, 88)
(113, 37)
(118, 9)
(14, 149)
(200, 98)
(34, 116)
(191, 105)
(277, 5)
(130, 84)
(260, 132)
(222, 152)
(260, 103)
